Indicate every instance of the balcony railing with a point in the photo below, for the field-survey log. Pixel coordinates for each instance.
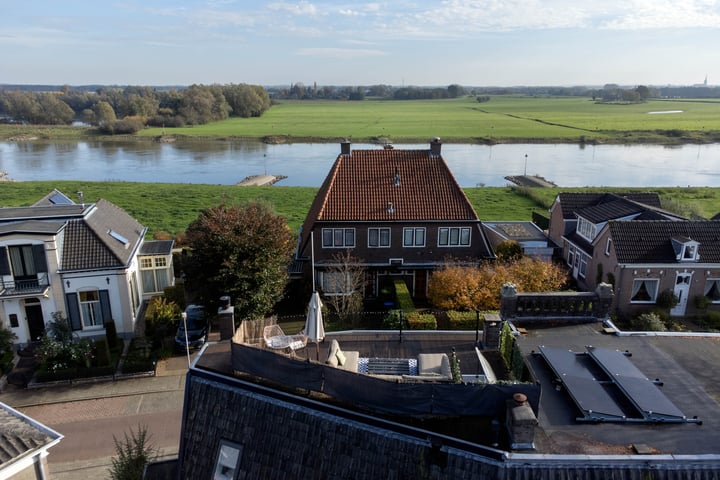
(33, 286)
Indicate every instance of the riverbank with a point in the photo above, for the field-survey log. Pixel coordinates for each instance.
(43, 133)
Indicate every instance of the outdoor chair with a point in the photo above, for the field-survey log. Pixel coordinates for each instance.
(276, 339)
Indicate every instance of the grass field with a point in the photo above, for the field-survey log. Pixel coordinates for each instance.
(517, 119)
(170, 208)
(502, 119)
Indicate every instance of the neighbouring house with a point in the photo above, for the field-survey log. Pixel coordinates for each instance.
(645, 252)
(400, 213)
(24, 445)
(87, 261)
(534, 242)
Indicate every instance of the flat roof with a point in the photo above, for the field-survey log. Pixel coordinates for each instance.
(685, 365)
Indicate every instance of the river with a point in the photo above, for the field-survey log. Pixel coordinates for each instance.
(226, 163)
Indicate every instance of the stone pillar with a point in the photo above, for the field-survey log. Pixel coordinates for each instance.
(605, 297)
(492, 326)
(521, 423)
(226, 318)
(508, 301)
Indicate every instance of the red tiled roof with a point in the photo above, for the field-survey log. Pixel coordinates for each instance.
(361, 186)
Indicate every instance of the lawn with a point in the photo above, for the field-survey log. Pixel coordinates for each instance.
(502, 119)
(170, 208)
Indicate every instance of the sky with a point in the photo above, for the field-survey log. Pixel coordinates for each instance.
(337, 42)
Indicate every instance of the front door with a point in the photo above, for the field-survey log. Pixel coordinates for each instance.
(681, 291)
(35, 320)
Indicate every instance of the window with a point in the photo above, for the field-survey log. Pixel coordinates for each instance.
(586, 228)
(571, 255)
(335, 283)
(90, 309)
(689, 252)
(644, 290)
(583, 264)
(378, 237)
(453, 236)
(414, 237)
(25, 261)
(712, 289)
(608, 244)
(155, 274)
(338, 237)
(14, 320)
(228, 461)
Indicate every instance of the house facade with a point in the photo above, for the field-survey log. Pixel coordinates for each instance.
(643, 251)
(397, 213)
(86, 261)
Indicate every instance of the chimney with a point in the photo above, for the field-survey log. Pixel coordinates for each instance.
(435, 146)
(345, 147)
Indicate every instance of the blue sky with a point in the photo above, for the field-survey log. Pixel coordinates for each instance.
(482, 42)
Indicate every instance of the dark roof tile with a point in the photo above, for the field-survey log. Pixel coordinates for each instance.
(641, 241)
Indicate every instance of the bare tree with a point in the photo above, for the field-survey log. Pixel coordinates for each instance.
(344, 287)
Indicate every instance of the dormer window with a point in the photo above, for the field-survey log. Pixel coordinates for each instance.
(586, 228)
(686, 250)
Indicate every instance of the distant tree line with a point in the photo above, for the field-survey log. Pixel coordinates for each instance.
(298, 91)
(128, 109)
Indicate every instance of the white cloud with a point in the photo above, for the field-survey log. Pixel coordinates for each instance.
(299, 8)
(330, 52)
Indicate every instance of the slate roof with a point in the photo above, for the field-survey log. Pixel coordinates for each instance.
(641, 241)
(106, 238)
(571, 202)
(19, 436)
(43, 212)
(32, 226)
(157, 247)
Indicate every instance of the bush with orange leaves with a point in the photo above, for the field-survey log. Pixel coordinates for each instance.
(459, 287)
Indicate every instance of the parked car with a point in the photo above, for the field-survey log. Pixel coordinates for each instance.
(197, 328)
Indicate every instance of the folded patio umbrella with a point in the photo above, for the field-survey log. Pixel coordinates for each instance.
(314, 328)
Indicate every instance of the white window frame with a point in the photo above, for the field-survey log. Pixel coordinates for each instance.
(155, 274)
(227, 461)
(689, 252)
(637, 284)
(91, 314)
(334, 232)
(413, 232)
(586, 228)
(378, 233)
(709, 285)
(583, 265)
(460, 233)
(608, 245)
(571, 254)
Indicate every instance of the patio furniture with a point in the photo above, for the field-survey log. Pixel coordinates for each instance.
(341, 358)
(276, 339)
(435, 366)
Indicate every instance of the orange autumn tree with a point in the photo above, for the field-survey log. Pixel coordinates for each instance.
(461, 287)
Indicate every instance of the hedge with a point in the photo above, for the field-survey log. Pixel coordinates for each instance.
(463, 320)
(404, 299)
(422, 321)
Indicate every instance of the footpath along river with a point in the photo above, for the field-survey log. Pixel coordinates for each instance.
(226, 163)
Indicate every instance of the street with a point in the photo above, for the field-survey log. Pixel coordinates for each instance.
(90, 415)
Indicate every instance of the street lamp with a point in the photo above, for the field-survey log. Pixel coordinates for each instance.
(525, 174)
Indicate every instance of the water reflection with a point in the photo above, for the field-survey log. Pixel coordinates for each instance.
(226, 162)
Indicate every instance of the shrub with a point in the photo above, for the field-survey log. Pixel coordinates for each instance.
(648, 322)
(666, 299)
(6, 348)
(712, 318)
(463, 320)
(509, 250)
(111, 334)
(133, 453)
(391, 321)
(102, 352)
(701, 302)
(422, 321)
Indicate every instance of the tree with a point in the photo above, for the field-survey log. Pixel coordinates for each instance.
(104, 113)
(133, 453)
(350, 279)
(242, 251)
(455, 90)
(457, 287)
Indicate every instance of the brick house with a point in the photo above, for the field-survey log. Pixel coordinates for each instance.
(644, 251)
(401, 213)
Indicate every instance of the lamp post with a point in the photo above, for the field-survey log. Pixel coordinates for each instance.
(525, 174)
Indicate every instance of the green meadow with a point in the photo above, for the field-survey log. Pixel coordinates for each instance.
(167, 209)
(502, 119)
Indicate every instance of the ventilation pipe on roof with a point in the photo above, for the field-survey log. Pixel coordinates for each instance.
(345, 147)
(435, 146)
